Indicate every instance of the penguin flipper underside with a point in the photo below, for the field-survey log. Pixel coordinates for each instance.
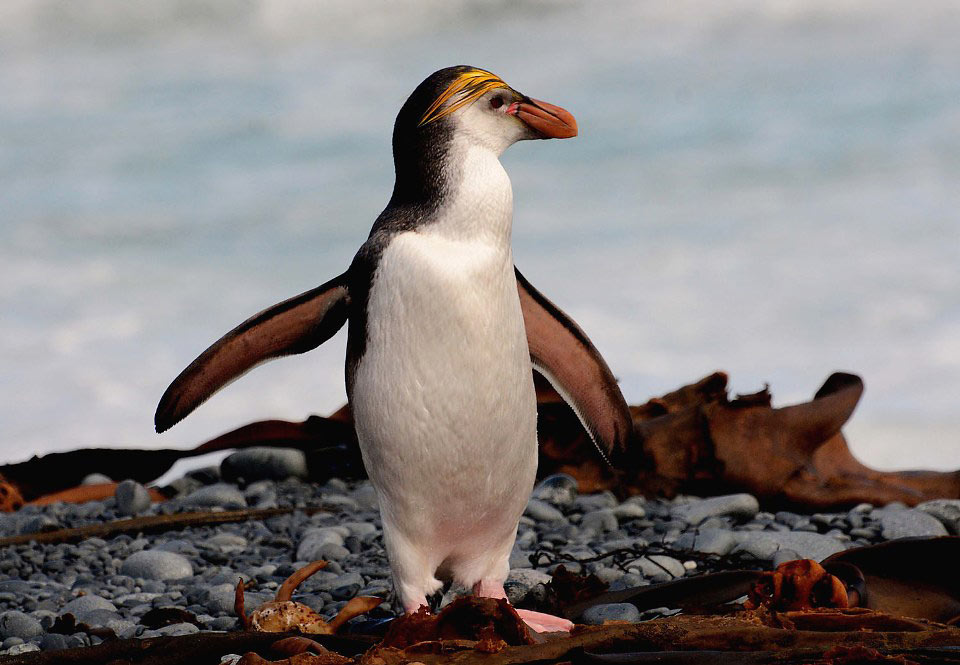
(296, 325)
(566, 357)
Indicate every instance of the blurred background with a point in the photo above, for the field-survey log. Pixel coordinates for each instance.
(769, 187)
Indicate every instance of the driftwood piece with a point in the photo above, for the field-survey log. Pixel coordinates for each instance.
(698, 441)
(743, 632)
(911, 577)
(152, 524)
(196, 649)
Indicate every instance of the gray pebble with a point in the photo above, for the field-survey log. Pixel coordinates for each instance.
(542, 511)
(629, 510)
(708, 541)
(660, 568)
(228, 543)
(263, 463)
(599, 521)
(18, 649)
(560, 489)
(53, 642)
(945, 510)
(765, 544)
(218, 495)
(132, 498)
(98, 617)
(521, 581)
(14, 623)
(588, 502)
(908, 523)
(96, 479)
(11, 642)
(740, 506)
(782, 556)
(178, 629)
(81, 605)
(598, 614)
(366, 497)
(157, 565)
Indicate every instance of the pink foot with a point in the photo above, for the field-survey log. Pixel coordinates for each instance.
(545, 623)
(537, 621)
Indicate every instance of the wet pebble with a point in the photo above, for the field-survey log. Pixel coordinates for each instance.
(157, 565)
(132, 498)
(600, 614)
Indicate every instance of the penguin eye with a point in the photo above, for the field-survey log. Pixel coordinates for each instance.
(496, 102)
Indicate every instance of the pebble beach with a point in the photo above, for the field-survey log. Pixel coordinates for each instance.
(117, 585)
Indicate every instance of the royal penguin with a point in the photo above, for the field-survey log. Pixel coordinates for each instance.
(444, 335)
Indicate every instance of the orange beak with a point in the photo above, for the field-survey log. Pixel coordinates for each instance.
(549, 121)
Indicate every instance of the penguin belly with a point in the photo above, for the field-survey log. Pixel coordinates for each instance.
(445, 410)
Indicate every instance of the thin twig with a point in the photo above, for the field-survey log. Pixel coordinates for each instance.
(153, 524)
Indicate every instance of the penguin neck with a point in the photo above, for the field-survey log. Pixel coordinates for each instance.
(466, 195)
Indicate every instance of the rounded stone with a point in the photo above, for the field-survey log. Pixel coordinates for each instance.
(945, 510)
(600, 614)
(560, 489)
(542, 511)
(132, 498)
(219, 495)
(599, 521)
(661, 568)
(83, 605)
(909, 523)
(263, 463)
(740, 506)
(521, 581)
(157, 565)
(53, 642)
(14, 623)
(96, 479)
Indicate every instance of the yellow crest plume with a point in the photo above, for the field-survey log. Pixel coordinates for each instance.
(469, 85)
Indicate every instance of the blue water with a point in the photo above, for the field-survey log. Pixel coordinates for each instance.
(766, 187)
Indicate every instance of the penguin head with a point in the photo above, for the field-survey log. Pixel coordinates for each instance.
(461, 107)
(479, 107)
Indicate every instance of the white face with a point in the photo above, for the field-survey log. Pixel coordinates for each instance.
(488, 124)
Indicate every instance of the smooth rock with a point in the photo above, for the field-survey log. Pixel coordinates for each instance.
(908, 523)
(14, 623)
(157, 565)
(660, 568)
(314, 539)
(629, 510)
(18, 649)
(739, 506)
(521, 581)
(599, 521)
(81, 605)
(765, 544)
(708, 541)
(599, 614)
(589, 502)
(263, 463)
(218, 495)
(132, 498)
(945, 510)
(560, 489)
(542, 511)
(96, 479)
(228, 543)
(53, 642)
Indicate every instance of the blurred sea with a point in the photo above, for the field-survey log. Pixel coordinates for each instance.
(770, 187)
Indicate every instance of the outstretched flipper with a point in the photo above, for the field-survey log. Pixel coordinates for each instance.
(563, 354)
(297, 325)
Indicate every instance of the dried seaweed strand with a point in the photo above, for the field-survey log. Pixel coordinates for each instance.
(153, 524)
